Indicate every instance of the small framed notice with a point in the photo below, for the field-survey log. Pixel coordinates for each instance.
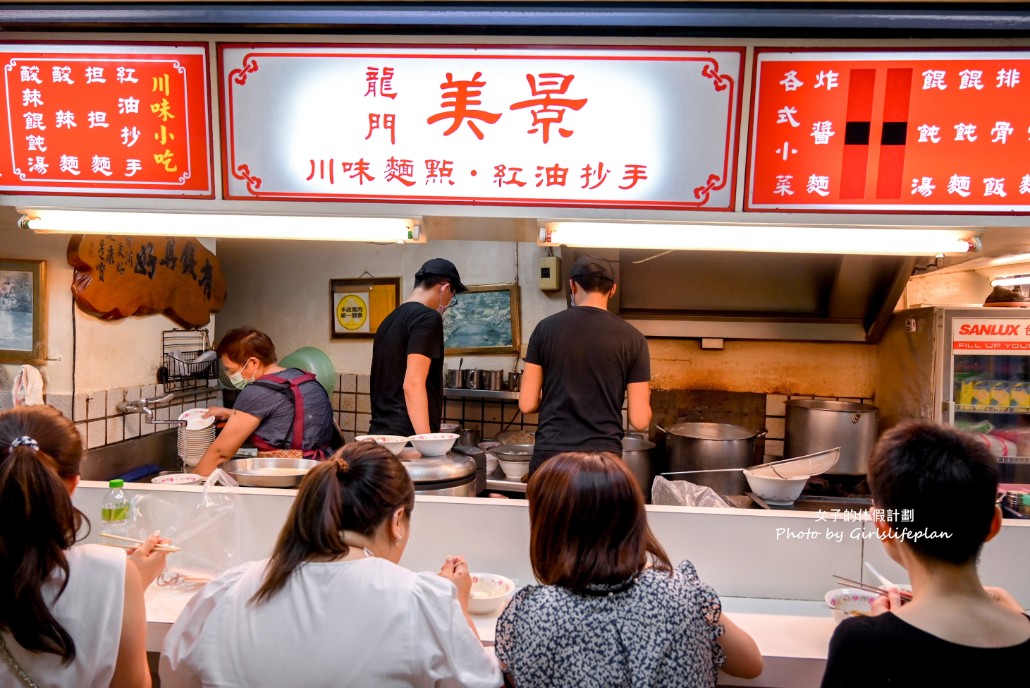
(357, 306)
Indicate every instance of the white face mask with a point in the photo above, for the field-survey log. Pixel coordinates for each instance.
(441, 309)
(237, 380)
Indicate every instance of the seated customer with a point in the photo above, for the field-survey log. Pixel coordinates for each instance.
(611, 610)
(70, 615)
(281, 411)
(953, 632)
(331, 607)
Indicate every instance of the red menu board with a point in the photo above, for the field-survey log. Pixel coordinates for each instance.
(934, 131)
(129, 120)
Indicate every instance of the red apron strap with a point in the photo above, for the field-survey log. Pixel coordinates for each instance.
(298, 403)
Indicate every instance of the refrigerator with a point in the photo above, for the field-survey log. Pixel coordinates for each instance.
(965, 367)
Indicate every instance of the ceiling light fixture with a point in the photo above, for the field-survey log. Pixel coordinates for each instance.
(1010, 281)
(761, 238)
(222, 225)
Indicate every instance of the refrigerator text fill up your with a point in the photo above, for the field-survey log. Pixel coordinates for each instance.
(967, 367)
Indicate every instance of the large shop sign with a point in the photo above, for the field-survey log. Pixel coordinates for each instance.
(131, 120)
(461, 125)
(941, 131)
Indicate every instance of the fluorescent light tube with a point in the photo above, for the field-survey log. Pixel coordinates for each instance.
(761, 238)
(221, 225)
(1010, 281)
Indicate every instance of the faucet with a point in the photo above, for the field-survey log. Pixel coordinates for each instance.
(146, 407)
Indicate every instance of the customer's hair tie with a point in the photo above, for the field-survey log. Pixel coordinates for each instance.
(26, 440)
(342, 467)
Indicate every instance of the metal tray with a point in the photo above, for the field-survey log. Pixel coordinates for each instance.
(268, 472)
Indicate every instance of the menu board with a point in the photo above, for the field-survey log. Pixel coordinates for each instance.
(475, 125)
(130, 120)
(943, 131)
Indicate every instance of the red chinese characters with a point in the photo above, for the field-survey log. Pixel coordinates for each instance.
(99, 122)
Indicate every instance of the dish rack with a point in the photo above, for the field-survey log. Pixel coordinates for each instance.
(179, 349)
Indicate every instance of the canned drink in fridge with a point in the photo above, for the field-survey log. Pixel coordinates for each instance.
(1001, 394)
(1020, 395)
(981, 395)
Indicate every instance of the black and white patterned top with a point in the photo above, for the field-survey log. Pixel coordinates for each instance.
(658, 630)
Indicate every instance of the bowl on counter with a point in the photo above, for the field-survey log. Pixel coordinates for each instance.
(848, 602)
(491, 458)
(490, 593)
(392, 442)
(776, 491)
(178, 479)
(268, 472)
(433, 443)
(514, 470)
(516, 437)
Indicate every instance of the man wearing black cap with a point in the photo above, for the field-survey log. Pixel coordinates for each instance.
(406, 386)
(586, 362)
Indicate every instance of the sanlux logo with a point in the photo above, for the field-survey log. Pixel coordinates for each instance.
(993, 330)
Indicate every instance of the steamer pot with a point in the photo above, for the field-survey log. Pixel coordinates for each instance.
(814, 425)
(703, 446)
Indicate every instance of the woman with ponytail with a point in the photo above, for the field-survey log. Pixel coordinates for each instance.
(331, 606)
(70, 615)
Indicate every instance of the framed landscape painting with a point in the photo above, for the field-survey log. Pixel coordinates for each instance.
(22, 311)
(483, 320)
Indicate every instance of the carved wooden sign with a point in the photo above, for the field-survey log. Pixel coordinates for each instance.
(120, 276)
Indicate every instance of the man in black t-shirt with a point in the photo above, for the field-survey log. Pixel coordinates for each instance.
(581, 365)
(406, 386)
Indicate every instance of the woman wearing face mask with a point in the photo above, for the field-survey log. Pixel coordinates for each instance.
(281, 411)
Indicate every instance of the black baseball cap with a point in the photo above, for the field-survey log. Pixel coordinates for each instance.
(591, 266)
(441, 267)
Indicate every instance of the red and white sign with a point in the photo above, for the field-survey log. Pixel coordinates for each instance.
(942, 131)
(128, 120)
(991, 335)
(583, 127)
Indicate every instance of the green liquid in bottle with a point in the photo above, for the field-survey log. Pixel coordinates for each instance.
(114, 513)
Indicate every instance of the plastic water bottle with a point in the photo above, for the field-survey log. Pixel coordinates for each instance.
(115, 509)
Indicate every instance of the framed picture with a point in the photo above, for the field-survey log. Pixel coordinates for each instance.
(484, 320)
(22, 311)
(358, 306)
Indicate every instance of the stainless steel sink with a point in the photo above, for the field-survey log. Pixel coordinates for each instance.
(159, 449)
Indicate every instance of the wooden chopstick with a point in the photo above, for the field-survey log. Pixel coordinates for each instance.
(137, 543)
(906, 596)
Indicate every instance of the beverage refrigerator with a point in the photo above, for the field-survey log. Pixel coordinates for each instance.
(966, 367)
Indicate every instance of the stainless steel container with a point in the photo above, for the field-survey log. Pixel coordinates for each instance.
(451, 475)
(702, 446)
(490, 379)
(637, 453)
(452, 378)
(814, 425)
(514, 382)
(470, 379)
(268, 472)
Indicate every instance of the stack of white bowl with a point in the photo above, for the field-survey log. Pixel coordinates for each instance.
(196, 436)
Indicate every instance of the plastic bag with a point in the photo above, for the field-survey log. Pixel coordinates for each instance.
(207, 530)
(683, 493)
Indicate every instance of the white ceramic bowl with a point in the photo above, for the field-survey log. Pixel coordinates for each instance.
(847, 602)
(776, 491)
(434, 443)
(514, 470)
(392, 442)
(490, 593)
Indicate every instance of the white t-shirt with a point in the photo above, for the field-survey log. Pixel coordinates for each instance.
(90, 609)
(365, 622)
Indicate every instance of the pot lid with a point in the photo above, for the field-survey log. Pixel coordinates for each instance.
(712, 431)
(434, 469)
(831, 405)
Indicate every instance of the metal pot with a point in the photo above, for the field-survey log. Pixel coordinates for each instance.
(636, 452)
(443, 476)
(514, 382)
(490, 379)
(452, 378)
(814, 425)
(470, 379)
(268, 472)
(702, 446)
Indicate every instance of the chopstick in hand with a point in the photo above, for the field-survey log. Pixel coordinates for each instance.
(136, 543)
(906, 596)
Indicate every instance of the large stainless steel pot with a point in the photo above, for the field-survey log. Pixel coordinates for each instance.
(637, 454)
(814, 425)
(702, 446)
(450, 475)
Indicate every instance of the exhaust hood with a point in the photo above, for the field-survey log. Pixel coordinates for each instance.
(739, 295)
